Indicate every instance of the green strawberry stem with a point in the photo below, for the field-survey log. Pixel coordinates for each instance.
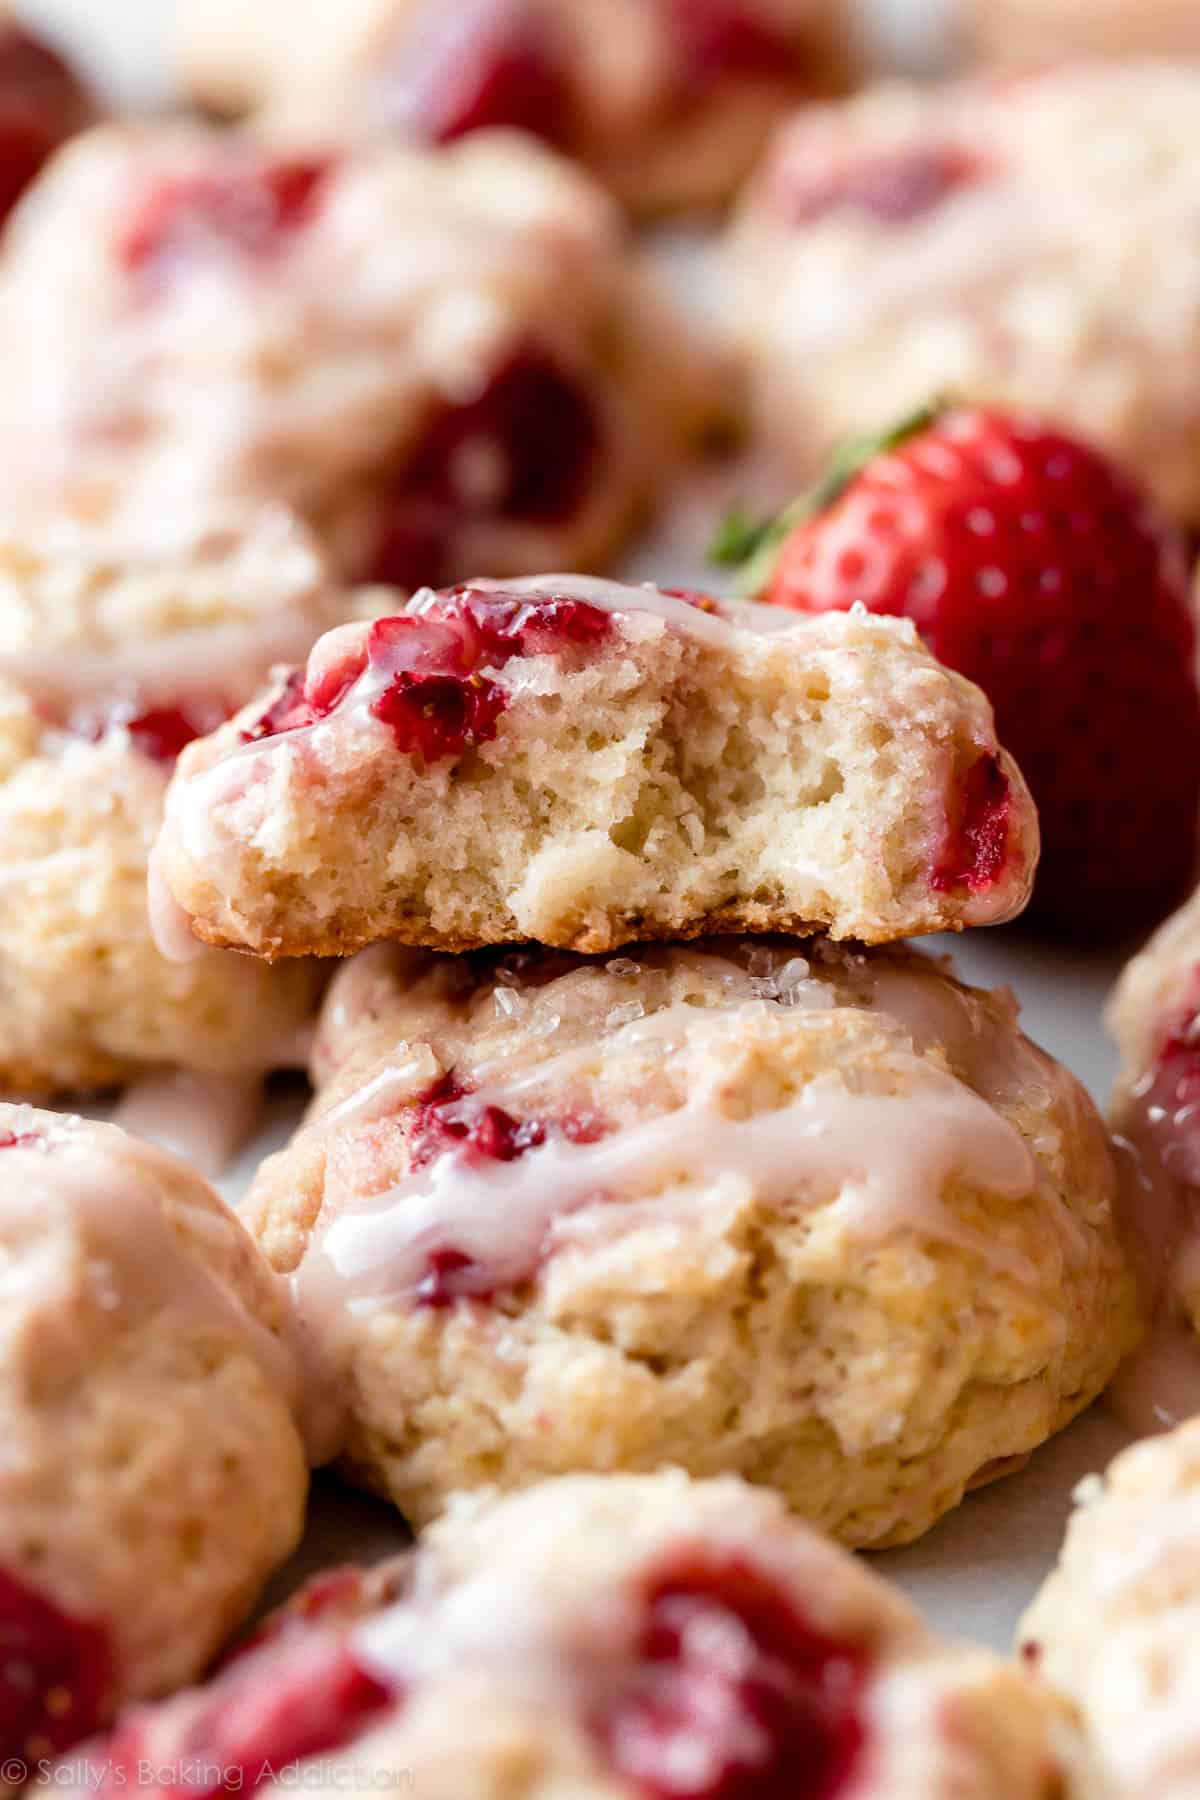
(752, 545)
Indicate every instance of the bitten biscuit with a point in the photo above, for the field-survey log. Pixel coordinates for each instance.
(586, 764)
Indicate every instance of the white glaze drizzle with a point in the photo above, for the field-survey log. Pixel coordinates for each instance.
(170, 925)
(889, 1154)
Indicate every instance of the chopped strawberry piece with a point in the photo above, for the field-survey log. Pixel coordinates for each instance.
(55, 1673)
(525, 450)
(286, 712)
(19, 1140)
(1169, 1091)
(734, 1695)
(446, 1122)
(894, 189)
(441, 1124)
(436, 702)
(292, 1698)
(252, 209)
(452, 1275)
(42, 103)
(161, 732)
(717, 38)
(434, 716)
(976, 846)
(476, 65)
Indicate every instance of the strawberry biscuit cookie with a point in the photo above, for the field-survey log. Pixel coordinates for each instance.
(111, 658)
(1155, 1018)
(583, 764)
(152, 1474)
(667, 101)
(606, 1639)
(1024, 241)
(822, 1219)
(1116, 1628)
(443, 359)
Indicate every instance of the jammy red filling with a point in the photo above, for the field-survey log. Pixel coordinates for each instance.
(446, 1122)
(716, 38)
(975, 848)
(55, 1674)
(474, 65)
(41, 105)
(159, 732)
(295, 1697)
(523, 450)
(434, 701)
(894, 189)
(18, 1140)
(734, 1695)
(442, 1124)
(253, 209)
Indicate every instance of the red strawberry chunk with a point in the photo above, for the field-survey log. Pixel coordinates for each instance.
(434, 716)
(293, 1698)
(525, 449)
(55, 1673)
(475, 65)
(447, 1122)
(894, 189)
(452, 1275)
(717, 38)
(735, 1696)
(1169, 1091)
(18, 1140)
(251, 209)
(161, 732)
(435, 701)
(975, 850)
(42, 103)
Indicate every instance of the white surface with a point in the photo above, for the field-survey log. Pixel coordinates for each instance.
(976, 1571)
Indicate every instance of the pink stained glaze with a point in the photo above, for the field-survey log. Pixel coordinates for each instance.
(735, 1696)
(251, 208)
(890, 188)
(974, 851)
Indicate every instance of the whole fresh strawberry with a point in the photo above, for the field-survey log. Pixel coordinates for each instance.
(1032, 564)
